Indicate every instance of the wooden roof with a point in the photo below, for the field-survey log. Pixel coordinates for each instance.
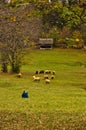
(45, 41)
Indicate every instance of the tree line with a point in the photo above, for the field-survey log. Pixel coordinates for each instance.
(62, 20)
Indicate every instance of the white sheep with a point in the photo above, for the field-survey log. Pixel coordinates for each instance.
(53, 72)
(19, 75)
(52, 76)
(47, 81)
(46, 77)
(36, 78)
(47, 71)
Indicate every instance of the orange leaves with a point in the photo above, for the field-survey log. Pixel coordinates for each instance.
(14, 18)
(11, 18)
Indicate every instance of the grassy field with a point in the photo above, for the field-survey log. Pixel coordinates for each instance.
(60, 105)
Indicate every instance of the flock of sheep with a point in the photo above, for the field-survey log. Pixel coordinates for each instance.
(47, 75)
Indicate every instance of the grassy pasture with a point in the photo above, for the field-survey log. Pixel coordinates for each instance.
(60, 105)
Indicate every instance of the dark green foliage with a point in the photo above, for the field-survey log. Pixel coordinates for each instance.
(4, 68)
(15, 68)
(72, 2)
(53, 18)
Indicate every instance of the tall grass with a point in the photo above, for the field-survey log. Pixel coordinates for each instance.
(60, 105)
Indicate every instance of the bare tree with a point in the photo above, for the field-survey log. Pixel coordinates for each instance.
(16, 30)
(11, 41)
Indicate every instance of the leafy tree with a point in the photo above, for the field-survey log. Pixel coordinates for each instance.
(54, 16)
(73, 2)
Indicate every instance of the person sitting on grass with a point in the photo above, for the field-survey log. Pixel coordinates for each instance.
(25, 94)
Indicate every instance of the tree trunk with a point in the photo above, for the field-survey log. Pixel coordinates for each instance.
(4, 67)
(15, 68)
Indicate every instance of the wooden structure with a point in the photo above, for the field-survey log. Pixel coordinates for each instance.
(45, 43)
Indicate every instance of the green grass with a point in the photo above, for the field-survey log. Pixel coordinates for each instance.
(60, 105)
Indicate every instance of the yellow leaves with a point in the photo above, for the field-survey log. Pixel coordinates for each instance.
(29, 15)
(77, 40)
(14, 18)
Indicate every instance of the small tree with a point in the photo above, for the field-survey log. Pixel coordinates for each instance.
(12, 52)
(15, 55)
(54, 33)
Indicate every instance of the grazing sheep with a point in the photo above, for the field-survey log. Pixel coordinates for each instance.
(36, 72)
(52, 76)
(19, 75)
(47, 71)
(53, 72)
(47, 81)
(41, 72)
(46, 77)
(36, 78)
